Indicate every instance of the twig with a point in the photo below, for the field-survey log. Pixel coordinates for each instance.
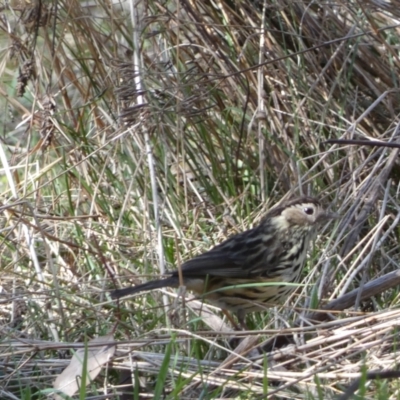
(369, 376)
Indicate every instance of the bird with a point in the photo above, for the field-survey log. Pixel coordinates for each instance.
(254, 269)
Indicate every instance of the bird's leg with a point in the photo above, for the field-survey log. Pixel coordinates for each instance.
(242, 323)
(235, 341)
(241, 316)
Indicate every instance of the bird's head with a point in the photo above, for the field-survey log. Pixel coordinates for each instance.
(303, 211)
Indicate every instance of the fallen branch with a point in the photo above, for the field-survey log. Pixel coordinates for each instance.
(370, 289)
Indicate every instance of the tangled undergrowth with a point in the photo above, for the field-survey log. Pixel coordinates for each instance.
(137, 136)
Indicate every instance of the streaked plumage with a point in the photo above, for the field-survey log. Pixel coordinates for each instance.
(273, 251)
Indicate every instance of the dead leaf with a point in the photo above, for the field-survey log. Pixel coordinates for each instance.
(97, 353)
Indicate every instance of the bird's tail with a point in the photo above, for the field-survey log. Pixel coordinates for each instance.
(157, 284)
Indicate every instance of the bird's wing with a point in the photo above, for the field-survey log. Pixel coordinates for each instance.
(214, 263)
(233, 258)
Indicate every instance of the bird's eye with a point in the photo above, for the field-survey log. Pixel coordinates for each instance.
(309, 210)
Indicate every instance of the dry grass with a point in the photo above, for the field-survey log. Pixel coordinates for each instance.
(126, 151)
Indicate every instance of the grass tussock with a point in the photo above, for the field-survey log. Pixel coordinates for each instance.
(134, 138)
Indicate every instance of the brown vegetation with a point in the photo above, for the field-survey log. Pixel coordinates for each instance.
(135, 137)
